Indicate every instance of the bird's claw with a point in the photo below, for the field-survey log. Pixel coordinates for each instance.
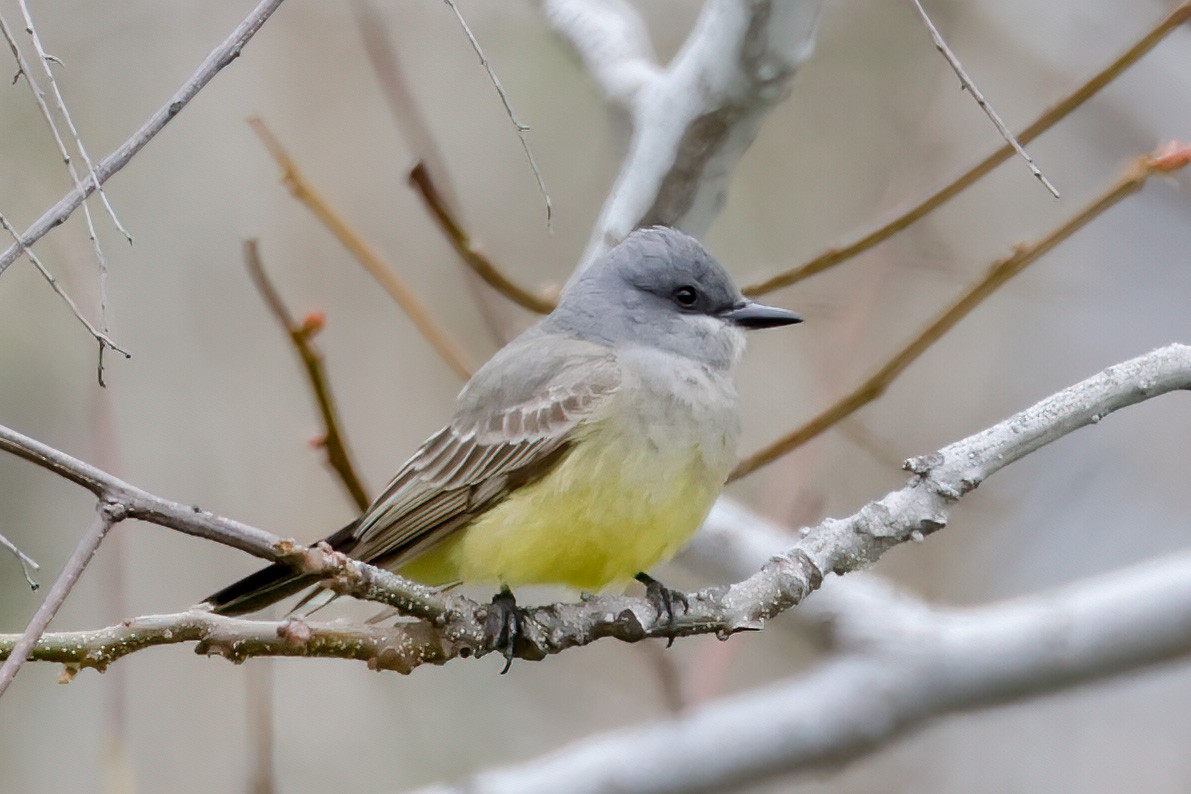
(663, 600)
(502, 625)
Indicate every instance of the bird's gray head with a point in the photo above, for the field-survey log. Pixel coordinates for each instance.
(660, 288)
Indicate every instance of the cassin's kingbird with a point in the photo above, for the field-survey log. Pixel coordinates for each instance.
(584, 452)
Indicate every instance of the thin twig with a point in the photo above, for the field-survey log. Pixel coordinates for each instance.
(967, 83)
(412, 124)
(407, 115)
(998, 274)
(1054, 114)
(522, 129)
(46, 58)
(302, 335)
(450, 351)
(39, 98)
(419, 178)
(100, 337)
(106, 516)
(220, 57)
(28, 564)
(92, 234)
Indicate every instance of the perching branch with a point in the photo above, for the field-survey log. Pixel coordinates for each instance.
(220, 57)
(302, 337)
(455, 626)
(1165, 160)
(1053, 115)
(365, 254)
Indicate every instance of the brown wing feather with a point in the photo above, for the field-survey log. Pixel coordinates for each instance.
(478, 459)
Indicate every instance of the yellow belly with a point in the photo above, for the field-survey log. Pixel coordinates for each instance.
(614, 507)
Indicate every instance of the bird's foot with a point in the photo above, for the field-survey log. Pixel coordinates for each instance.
(663, 600)
(503, 625)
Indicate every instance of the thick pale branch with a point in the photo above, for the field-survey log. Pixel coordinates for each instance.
(612, 40)
(834, 546)
(220, 57)
(907, 664)
(695, 120)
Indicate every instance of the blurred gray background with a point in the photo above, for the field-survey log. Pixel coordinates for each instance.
(212, 409)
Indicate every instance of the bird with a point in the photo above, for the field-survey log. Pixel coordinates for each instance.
(583, 453)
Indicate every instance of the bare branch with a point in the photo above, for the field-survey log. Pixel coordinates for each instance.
(697, 118)
(482, 266)
(220, 57)
(907, 664)
(107, 514)
(413, 306)
(1053, 115)
(455, 625)
(522, 129)
(28, 564)
(611, 38)
(968, 84)
(302, 336)
(998, 274)
(189, 519)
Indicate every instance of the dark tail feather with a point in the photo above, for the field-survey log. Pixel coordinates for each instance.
(272, 583)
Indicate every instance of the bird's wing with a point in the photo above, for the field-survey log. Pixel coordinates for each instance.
(515, 423)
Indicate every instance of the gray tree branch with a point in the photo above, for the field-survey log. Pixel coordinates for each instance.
(693, 121)
(455, 625)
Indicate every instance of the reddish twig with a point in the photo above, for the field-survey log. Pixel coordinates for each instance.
(302, 335)
(364, 253)
(419, 178)
(1164, 160)
(834, 256)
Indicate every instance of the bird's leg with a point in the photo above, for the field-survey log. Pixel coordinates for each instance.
(503, 625)
(663, 600)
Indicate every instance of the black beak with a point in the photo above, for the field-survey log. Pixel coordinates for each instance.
(754, 315)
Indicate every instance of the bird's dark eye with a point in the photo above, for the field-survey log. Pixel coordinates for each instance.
(686, 296)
